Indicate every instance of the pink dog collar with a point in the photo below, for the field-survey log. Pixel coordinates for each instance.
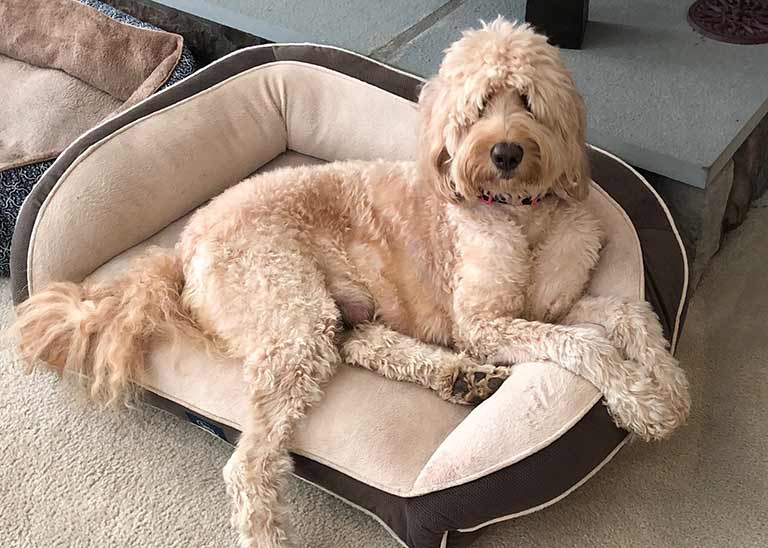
(488, 197)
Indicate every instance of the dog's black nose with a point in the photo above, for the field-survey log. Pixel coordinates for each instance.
(506, 156)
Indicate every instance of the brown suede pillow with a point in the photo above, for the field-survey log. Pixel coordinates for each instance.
(65, 67)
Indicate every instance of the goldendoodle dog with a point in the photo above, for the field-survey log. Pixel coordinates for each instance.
(444, 272)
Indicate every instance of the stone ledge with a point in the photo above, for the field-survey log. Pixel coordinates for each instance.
(705, 215)
(750, 177)
(699, 215)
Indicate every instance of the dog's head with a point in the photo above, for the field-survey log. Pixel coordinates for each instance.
(503, 115)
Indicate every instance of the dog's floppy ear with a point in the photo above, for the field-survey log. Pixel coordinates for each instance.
(560, 105)
(575, 179)
(434, 158)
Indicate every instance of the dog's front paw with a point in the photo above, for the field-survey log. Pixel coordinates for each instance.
(473, 385)
(653, 406)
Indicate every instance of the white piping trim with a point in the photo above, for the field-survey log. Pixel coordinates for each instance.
(444, 540)
(84, 155)
(312, 44)
(356, 507)
(356, 54)
(555, 500)
(673, 342)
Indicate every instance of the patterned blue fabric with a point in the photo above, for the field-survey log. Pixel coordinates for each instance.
(16, 184)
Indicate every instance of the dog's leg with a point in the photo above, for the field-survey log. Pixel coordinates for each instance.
(455, 377)
(635, 330)
(272, 307)
(645, 388)
(582, 349)
(563, 264)
(285, 373)
(634, 400)
(489, 304)
(285, 377)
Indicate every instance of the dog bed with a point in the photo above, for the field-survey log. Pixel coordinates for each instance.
(431, 472)
(66, 65)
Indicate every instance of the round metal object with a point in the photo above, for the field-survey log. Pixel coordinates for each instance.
(732, 21)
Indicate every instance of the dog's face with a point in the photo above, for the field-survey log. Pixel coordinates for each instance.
(503, 116)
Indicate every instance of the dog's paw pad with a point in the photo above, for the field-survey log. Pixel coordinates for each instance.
(495, 383)
(471, 387)
(460, 386)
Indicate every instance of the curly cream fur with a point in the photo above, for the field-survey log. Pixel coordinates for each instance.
(102, 330)
(405, 254)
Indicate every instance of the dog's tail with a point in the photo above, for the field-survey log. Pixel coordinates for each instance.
(102, 330)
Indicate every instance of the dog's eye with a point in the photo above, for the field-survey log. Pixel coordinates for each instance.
(526, 103)
(483, 104)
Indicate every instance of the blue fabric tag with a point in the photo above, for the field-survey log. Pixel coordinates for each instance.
(206, 425)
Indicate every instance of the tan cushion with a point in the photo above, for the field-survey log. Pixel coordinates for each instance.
(397, 437)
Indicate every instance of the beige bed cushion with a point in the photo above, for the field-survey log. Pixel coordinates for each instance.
(394, 436)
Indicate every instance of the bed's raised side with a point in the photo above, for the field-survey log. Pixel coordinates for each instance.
(136, 180)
